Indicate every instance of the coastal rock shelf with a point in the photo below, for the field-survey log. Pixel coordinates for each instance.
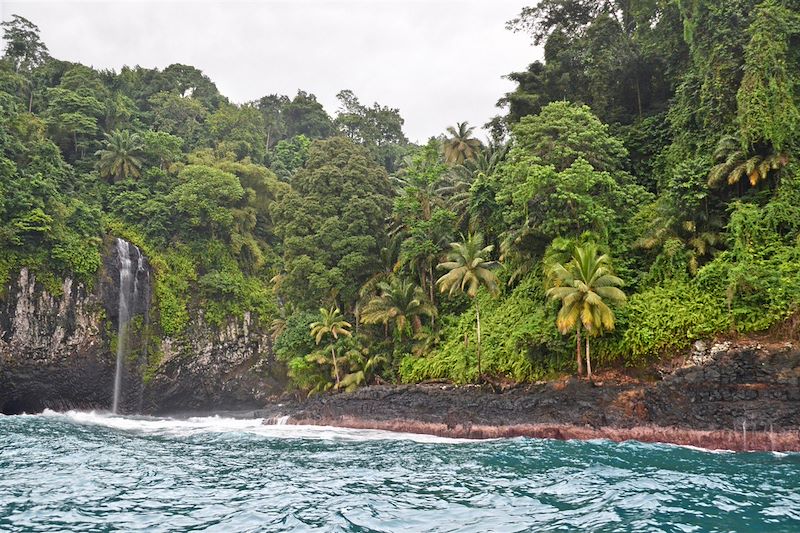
(745, 397)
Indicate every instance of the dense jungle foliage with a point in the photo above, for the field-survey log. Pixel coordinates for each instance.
(640, 188)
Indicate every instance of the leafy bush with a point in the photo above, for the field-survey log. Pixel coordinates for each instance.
(519, 340)
(669, 316)
(296, 340)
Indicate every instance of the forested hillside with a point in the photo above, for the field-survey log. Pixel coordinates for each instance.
(638, 190)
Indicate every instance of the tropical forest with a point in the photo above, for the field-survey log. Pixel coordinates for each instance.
(637, 190)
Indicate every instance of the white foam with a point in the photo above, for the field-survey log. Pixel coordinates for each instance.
(184, 427)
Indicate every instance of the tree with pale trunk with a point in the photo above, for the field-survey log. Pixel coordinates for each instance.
(333, 325)
(585, 286)
(469, 268)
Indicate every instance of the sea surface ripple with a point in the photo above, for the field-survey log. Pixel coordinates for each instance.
(81, 471)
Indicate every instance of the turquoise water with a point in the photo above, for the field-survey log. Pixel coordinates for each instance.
(95, 472)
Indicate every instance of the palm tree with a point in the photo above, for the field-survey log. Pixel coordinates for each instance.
(120, 158)
(733, 163)
(460, 146)
(583, 286)
(333, 325)
(400, 302)
(469, 269)
(455, 185)
(389, 261)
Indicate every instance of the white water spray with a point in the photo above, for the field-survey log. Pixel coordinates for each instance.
(128, 289)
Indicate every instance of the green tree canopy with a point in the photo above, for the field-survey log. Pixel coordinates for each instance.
(203, 199)
(23, 47)
(562, 132)
(332, 223)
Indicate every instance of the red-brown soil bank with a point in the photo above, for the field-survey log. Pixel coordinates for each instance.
(739, 397)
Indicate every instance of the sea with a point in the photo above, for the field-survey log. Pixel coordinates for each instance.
(98, 472)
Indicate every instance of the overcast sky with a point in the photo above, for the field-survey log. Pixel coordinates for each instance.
(437, 61)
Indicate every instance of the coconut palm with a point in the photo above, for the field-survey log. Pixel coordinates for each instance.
(460, 146)
(120, 159)
(456, 186)
(469, 268)
(733, 163)
(332, 325)
(400, 302)
(363, 369)
(388, 258)
(701, 239)
(585, 286)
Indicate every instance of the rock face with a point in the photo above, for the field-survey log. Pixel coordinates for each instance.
(744, 385)
(53, 351)
(58, 350)
(229, 368)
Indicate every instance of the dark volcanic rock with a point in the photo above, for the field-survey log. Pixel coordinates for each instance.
(52, 350)
(572, 401)
(743, 391)
(212, 369)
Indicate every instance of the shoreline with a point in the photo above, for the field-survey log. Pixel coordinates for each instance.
(709, 440)
(743, 396)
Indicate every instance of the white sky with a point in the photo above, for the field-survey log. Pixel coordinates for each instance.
(437, 61)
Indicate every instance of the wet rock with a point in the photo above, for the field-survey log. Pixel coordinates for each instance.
(710, 398)
(209, 369)
(52, 349)
(56, 350)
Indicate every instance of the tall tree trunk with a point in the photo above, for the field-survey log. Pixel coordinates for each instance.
(578, 350)
(432, 292)
(335, 366)
(638, 95)
(416, 323)
(588, 360)
(430, 274)
(478, 345)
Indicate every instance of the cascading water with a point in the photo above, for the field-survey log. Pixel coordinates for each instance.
(128, 294)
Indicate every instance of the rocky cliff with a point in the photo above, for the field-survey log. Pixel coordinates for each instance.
(58, 350)
(232, 367)
(53, 348)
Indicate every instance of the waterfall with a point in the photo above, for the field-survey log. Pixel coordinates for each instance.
(128, 289)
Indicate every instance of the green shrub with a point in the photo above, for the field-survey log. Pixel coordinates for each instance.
(519, 340)
(78, 255)
(296, 339)
(667, 317)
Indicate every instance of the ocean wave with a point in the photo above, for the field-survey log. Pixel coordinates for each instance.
(184, 427)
